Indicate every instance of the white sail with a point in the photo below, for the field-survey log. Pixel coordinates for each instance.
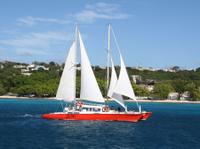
(119, 99)
(67, 86)
(123, 86)
(113, 81)
(89, 88)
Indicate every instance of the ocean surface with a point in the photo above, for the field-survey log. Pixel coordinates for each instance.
(172, 126)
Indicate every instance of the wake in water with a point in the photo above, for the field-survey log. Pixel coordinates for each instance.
(30, 115)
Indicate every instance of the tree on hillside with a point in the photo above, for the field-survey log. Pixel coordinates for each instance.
(2, 90)
(176, 68)
(25, 90)
(140, 91)
(161, 90)
(194, 91)
(195, 94)
(51, 64)
(198, 69)
(179, 85)
(190, 87)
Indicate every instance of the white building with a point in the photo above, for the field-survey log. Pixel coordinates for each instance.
(38, 67)
(32, 67)
(19, 66)
(136, 78)
(185, 96)
(1, 66)
(148, 87)
(173, 96)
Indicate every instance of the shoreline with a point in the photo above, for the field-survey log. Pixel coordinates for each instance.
(167, 101)
(26, 98)
(140, 100)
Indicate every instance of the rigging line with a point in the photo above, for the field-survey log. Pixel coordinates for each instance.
(115, 39)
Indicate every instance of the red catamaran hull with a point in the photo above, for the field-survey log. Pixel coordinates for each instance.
(146, 115)
(95, 117)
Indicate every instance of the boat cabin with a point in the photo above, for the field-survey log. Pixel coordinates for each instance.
(83, 107)
(91, 108)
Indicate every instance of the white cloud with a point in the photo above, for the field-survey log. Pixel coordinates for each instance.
(31, 52)
(107, 8)
(100, 11)
(30, 21)
(46, 43)
(89, 14)
(36, 39)
(36, 43)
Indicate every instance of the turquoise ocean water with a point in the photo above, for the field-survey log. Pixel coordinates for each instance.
(172, 126)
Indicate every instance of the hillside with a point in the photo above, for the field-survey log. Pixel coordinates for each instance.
(41, 80)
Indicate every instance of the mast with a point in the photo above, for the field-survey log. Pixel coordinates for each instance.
(108, 59)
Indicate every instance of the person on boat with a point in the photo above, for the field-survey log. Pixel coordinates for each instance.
(79, 105)
(119, 109)
(106, 109)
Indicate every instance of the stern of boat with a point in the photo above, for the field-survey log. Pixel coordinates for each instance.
(146, 115)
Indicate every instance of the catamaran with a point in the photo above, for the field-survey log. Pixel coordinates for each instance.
(96, 108)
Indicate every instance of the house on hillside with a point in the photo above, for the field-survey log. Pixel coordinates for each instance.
(147, 87)
(40, 67)
(173, 96)
(1, 66)
(185, 96)
(32, 67)
(20, 66)
(136, 79)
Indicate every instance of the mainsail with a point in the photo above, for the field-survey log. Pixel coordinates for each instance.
(89, 88)
(67, 86)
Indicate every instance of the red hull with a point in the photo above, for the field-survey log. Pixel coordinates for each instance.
(146, 115)
(101, 117)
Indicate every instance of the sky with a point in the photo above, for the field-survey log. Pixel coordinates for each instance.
(150, 33)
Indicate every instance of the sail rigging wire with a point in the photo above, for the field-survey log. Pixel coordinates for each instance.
(105, 41)
(115, 40)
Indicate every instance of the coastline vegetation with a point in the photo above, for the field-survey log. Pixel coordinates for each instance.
(44, 83)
